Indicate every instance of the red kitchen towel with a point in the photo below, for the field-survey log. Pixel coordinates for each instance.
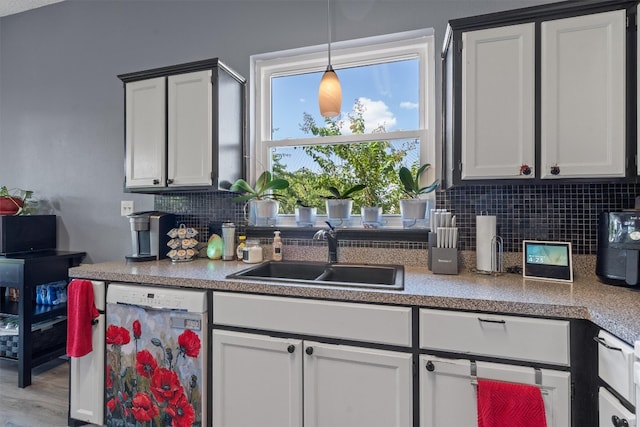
(502, 404)
(81, 310)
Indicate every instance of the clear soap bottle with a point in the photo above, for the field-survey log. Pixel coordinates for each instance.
(240, 248)
(277, 247)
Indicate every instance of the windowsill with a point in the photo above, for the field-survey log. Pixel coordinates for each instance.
(392, 231)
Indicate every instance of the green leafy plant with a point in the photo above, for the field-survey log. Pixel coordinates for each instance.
(263, 189)
(337, 194)
(18, 197)
(411, 182)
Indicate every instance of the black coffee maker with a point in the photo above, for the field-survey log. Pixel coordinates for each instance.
(149, 235)
(618, 258)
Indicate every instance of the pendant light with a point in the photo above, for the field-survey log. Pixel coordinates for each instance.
(329, 92)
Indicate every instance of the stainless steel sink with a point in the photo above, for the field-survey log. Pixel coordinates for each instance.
(322, 273)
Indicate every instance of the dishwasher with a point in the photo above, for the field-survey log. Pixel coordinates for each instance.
(156, 350)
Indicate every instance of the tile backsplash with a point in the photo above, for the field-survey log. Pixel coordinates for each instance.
(560, 212)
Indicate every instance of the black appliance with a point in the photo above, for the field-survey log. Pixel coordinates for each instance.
(618, 258)
(27, 233)
(149, 235)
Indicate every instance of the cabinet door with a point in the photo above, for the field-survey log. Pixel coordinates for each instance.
(347, 386)
(583, 96)
(190, 148)
(145, 138)
(257, 380)
(448, 396)
(498, 102)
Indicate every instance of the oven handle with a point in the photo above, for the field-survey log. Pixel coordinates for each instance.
(604, 343)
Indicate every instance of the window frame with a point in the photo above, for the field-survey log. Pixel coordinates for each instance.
(359, 52)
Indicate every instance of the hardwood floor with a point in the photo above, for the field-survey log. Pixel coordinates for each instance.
(42, 404)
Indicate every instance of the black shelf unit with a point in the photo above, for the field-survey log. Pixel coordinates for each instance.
(25, 272)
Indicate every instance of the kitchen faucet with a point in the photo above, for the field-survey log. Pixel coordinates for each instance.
(331, 236)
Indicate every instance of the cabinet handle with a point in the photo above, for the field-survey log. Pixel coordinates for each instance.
(555, 170)
(156, 181)
(291, 348)
(484, 319)
(624, 423)
(170, 181)
(309, 351)
(602, 342)
(430, 366)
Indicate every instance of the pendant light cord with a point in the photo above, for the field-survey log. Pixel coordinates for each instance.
(329, 31)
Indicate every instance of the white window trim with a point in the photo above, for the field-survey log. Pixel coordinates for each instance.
(363, 51)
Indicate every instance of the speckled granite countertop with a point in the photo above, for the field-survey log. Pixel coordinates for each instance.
(616, 309)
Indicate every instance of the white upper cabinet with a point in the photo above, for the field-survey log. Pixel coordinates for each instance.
(184, 127)
(190, 129)
(498, 99)
(539, 93)
(583, 96)
(145, 137)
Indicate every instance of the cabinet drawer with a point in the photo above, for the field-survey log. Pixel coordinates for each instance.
(351, 321)
(615, 364)
(509, 337)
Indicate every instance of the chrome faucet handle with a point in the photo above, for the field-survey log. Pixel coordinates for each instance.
(320, 235)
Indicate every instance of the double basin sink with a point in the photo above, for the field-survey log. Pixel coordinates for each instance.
(326, 274)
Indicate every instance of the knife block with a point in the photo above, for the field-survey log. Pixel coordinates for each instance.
(444, 260)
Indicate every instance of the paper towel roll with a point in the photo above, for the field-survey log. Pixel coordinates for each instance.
(485, 231)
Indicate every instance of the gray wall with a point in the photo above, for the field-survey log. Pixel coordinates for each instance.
(61, 105)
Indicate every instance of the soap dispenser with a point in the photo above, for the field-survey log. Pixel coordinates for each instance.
(277, 246)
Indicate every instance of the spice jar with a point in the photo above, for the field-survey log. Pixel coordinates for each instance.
(252, 252)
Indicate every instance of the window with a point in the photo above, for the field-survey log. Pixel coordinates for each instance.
(387, 120)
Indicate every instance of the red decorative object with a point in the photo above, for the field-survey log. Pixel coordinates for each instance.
(162, 396)
(10, 205)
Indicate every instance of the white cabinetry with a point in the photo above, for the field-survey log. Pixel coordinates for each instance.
(184, 127)
(583, 96)
(447, 385)
(145, 139)
(261, 380)
(615, 368)
(449, 391)
(498, 101)
(187, 159)
(190, 152)
(536, 93)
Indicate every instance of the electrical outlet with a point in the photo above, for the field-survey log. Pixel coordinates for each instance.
(126, 207)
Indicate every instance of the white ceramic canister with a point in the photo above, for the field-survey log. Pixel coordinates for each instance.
(252, 252)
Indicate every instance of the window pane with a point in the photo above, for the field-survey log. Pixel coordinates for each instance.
(387, 93)
(310, 170)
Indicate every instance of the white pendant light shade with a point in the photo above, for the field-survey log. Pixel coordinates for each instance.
(330, 94)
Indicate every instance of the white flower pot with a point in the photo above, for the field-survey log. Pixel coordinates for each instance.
(263, 213)
(371, 216)
(306, 216)
(339, 212)
(414, 212)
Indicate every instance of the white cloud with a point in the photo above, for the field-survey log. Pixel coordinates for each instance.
(376, 113)
(407, 105)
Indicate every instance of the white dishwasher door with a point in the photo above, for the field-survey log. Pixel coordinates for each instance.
(448, 395)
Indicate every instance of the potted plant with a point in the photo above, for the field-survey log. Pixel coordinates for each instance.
(414, 209)
(14, 201)
(261, 198)
(339, 205)
(305, 214)
(371, 210)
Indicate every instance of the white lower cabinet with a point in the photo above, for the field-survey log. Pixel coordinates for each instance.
(449, 393)
(265, 381)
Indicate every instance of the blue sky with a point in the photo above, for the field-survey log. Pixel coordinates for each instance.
(389, 93)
